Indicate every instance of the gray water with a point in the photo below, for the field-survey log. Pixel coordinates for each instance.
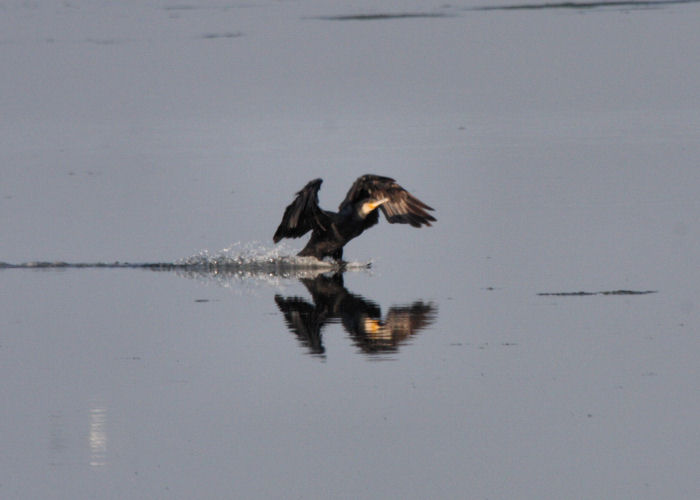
(539, 341)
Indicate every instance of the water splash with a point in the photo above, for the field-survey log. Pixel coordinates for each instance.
(255, 263)
(240, 260)
(255, 257)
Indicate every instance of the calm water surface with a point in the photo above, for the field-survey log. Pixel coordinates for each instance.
(559, 147)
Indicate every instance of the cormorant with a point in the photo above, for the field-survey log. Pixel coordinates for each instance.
(330, 231)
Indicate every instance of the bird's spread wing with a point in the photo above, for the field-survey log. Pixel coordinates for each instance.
(303, 214)
(399, 206)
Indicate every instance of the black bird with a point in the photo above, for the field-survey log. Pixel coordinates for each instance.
(330, 231)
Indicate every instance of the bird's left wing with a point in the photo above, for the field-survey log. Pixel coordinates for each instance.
(303, 214)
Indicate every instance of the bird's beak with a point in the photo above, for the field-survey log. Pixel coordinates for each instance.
(368, 206)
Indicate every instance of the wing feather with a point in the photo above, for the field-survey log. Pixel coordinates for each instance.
(401, 206)
(303, 214)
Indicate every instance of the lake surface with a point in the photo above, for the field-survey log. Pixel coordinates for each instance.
(539, 341)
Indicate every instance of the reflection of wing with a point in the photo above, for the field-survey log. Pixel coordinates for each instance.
(401, 322)
(302, 319)
(405, 321)
(400, 205)
(303, 214)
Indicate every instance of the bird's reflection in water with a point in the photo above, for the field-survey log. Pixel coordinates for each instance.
(362, 318)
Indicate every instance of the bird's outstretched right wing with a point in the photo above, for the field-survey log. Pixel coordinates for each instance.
(397, 204)
(303, 214)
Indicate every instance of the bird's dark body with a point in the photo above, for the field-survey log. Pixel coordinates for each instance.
(330, 239)
(330, 231)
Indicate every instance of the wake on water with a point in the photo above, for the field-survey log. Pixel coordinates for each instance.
(249, 260)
